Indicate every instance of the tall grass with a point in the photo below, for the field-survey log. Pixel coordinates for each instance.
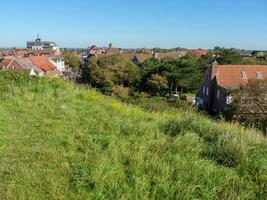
(61, 141)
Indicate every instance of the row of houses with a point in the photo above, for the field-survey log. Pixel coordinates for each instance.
(40, 59)
(34, 65)
(139, 55)
(252, 54)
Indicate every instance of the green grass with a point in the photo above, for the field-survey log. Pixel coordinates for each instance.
(61, 141)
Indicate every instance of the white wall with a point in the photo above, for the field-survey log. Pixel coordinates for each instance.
(59, 63)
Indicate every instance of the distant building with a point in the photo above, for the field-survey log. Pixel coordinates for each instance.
(21, 64)
(219, 79)
(59, 62)
(113, 50)
(200, 52)
(140, 58)
(43, 63)
(38, 44)
(94, 50)
(245, 53)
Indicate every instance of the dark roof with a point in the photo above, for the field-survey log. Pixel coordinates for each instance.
(245, 52)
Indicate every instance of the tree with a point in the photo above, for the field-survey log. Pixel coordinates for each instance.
(228, 56)
(71, 60)
(250, 104)
(191, 56)
(181, 74)
(111, 70)
(73, 65)
(157, 83)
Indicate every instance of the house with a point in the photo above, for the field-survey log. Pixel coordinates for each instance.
(59, 62)
(43, 63)
(200, 52)
(112, 50)
(21, 64)
(38, 44)
(54, 56)
(94, 50)
(245, 53)
(140, 58)
(213, 96)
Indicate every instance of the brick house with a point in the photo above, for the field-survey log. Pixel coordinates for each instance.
(213, 96)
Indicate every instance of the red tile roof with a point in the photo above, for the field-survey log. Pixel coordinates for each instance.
(200, 52)
(42, 62)
(7, 61)
(49, 52)
(20, 52)
(231, 75)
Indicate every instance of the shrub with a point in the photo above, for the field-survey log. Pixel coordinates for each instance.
(120, 91)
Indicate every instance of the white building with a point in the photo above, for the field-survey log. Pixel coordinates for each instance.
(59, 63)
(38, 44)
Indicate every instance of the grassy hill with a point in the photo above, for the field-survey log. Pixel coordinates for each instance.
(61, 141)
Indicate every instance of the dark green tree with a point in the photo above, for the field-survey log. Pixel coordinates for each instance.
(228, 56)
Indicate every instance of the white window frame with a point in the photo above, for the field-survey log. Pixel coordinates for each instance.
(244, 75)
(258, 75)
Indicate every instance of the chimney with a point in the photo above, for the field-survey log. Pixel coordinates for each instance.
(214, 69)
(156, 55)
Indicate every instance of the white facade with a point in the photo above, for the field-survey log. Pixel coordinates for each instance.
(59, 63)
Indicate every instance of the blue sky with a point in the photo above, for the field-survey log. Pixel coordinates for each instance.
(136, 23)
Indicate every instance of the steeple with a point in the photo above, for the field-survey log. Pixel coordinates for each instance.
(38, 38)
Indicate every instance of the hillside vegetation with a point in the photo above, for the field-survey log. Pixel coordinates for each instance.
(61, 141)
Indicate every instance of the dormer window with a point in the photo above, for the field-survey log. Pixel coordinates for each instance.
(244, 75)
(258, 75)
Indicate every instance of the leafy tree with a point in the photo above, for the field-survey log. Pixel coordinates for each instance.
(228, 56)
(149, 65)
(181, 74)
(157, 83)
(71, 60)
(250, 104)
(192, 56)
(111, 70)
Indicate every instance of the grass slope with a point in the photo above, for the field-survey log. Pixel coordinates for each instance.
(59, 141)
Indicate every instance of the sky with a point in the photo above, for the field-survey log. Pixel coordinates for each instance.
(136, 23)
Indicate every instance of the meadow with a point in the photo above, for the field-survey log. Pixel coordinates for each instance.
(63, 141)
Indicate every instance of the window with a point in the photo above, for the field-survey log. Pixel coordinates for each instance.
(218, 94)
(204, 89)
(229, 100)
(258, 75)
(207, 91)
(244, 75)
